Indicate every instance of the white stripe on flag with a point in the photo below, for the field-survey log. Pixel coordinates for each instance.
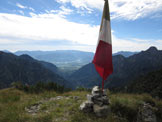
(105, 33)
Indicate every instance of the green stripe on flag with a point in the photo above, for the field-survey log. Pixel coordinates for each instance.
(106, 13)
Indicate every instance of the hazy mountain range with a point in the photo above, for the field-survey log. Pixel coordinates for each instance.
(125, 53)
(28, 70)
(67, 60)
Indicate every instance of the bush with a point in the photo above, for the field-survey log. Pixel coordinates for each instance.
(124, 111)
(17, 85)
(82, 89)
(40, 87)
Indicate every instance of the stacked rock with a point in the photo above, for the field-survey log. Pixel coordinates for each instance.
(97, 103)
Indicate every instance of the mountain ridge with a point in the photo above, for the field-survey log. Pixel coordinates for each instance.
(125, 69)
(27, 70)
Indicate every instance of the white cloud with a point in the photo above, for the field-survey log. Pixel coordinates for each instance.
(21, 12)
(25, 7)
(86, 4)
(32, 33)
(47, 27)
(127, 9)
(32, 9)
(64, 11)
(20, 6)
(134, 9)
(133, 44)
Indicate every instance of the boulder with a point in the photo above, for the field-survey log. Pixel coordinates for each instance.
(146, 113)
(86, 106)
(33, 108)
(89, 97)
(101, 111)
(102, 100)
(96, 91)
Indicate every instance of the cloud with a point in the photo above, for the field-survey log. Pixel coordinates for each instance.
(84, 4)
(25, 7)
(47, 27)
(133, 44)
(20, 6)
(43, 31)
(62, 12)
(31, 9)
(21, 12)
(134, 9)
(126, 9)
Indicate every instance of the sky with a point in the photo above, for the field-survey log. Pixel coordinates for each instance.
(74, 24)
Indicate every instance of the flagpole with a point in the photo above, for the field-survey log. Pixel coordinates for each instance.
(102, 84)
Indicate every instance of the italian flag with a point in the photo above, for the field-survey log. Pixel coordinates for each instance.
(103, 56)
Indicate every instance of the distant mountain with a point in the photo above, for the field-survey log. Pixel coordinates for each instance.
(85, 76)
(6, 51)
(26, 70)
(150, 83)
(125, 53)
(31, 53)
(125, 69)
(65, 59)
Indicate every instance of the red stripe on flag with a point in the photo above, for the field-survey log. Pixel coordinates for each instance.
(103, 59)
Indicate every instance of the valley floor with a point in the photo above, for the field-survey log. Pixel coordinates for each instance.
(18, 106)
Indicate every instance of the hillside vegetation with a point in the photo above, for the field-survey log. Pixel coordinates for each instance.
(150, 83)
(50, 106)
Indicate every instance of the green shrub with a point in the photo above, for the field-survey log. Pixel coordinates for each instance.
(9, 98)
(82, 89)
(40, 87)
(45, 118)
(148, 99)
(124, 111)
(17, 85)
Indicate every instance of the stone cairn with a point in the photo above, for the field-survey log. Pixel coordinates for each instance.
(97, 102)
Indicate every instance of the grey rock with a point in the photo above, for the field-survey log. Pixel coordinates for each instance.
(86, 106)
(146, 113)
(89, 97)
(104, 92)
(59, 97)
(101, 111)
(76, 98)
(102, 100)
(33, 108)
(96, 91)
